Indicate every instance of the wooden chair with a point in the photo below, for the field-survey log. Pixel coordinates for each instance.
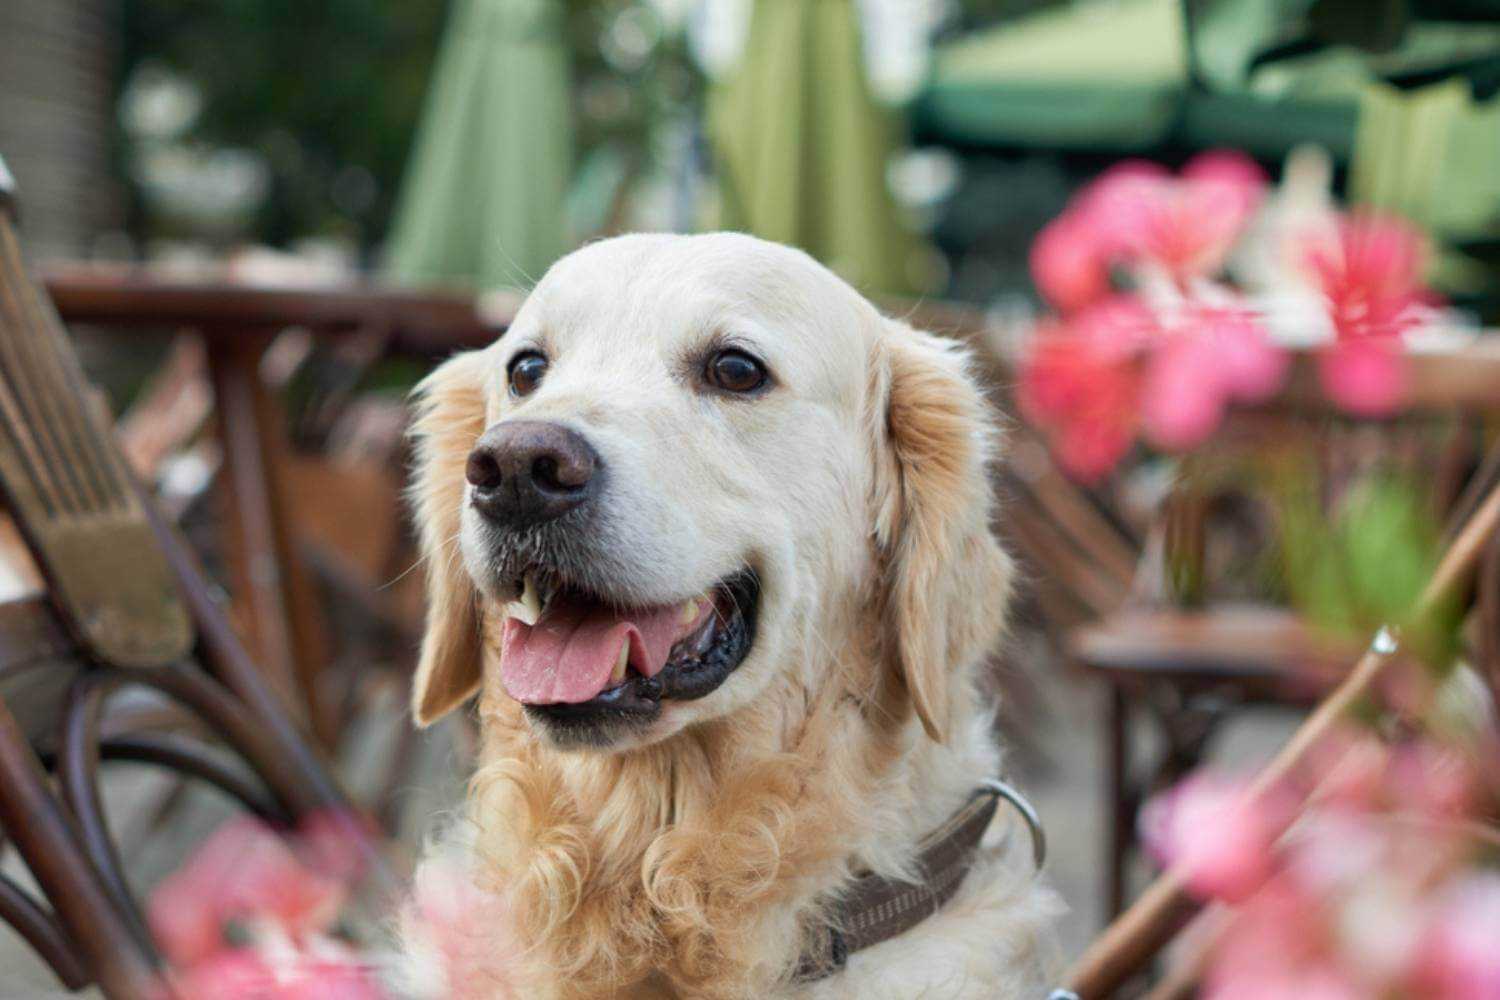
(1166, 911)
(1185, 659)
(267, 486)
(125, 608)
(316, 551)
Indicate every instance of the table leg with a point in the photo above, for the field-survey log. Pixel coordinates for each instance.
(270, 577)
(1119, 817)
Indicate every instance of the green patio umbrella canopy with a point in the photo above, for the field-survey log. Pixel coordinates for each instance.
(1067, 75)
(481, 205)
(802, 147)
(1113, 78)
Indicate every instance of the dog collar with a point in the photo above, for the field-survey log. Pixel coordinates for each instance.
(876, 908)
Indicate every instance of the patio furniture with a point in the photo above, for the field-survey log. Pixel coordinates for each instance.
(126, 610)
(1134, 939)
(1185, 659)
(271, 491)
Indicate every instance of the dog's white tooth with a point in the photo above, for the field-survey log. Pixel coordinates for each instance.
(529, 607)
(689, 612)
(519, 611)
(621, 661)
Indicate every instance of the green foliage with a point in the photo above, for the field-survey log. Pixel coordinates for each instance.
(1366, 565)
(327, 92)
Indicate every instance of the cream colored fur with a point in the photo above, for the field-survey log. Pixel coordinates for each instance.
(689, 862)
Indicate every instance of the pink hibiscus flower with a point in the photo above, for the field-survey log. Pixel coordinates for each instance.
(1214, 357)
(1456, 957)
(1114, 369)
(1191, 225)
(1136, 213)
(1216, 833)
(1369, 272)
(1070, 264)
(1081, 386)
(248, 974)
(243, 872)
(281, 897)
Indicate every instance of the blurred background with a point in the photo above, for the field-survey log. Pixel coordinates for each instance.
(469, 143)
(264, 220)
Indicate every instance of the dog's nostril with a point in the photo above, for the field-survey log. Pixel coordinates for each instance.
(544, 473)
(482, 469)
(562, 471)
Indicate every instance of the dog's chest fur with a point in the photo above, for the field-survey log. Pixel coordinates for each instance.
(692, 869)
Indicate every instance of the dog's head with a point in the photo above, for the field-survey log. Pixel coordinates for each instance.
(692, 466)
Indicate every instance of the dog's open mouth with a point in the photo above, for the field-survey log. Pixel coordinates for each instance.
(570, 655)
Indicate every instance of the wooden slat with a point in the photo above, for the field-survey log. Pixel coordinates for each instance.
(422, 323)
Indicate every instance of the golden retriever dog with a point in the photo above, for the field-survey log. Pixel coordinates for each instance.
(710, 537)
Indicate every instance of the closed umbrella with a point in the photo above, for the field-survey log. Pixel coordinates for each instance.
(482, 201)
(801, 147)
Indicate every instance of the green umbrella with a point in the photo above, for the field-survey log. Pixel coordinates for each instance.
(1114, 78)
(802, 148)
(482, 201)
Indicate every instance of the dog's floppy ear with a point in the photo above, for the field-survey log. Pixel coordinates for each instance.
(946, 580)
(450, 417)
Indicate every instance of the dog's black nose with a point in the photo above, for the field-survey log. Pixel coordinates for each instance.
(525, 472)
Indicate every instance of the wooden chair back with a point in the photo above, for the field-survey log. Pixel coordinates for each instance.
(1237, 526)
(69, 490)
(1161, 914)
(125, 608)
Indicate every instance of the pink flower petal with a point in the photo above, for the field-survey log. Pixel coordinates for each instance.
(1079, 386)
(1089, 451)
(467, 932)
(1436, 779)
(1335, 849)
(1276, 933)
(230, 974)
(1183, 398)
(1069, 264)
(1253, 367)
(1286, 984)
(1370, 271)
(1232, 171)
(1226, 166)
(243, 870)
(316, 979)
(184, 921)
(246, 974)
(1186, 225)
(1365, 376)
(1215, 833)
(1117, 328)
(1118, 204)
(1457, 957)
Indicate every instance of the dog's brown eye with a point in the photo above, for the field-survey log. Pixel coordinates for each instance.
(526, 371)
(735, 371)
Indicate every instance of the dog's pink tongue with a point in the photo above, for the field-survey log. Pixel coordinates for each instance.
(569, 654)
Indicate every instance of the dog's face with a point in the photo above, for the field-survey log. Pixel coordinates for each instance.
(675, 481)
